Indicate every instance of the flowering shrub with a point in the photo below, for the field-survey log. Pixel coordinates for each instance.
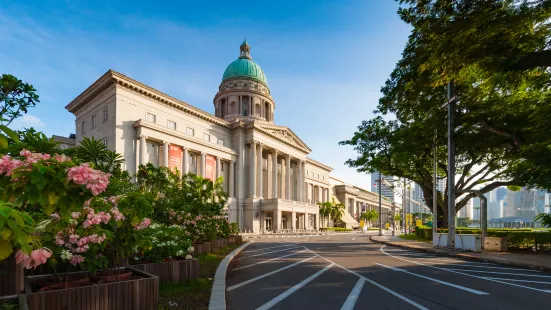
(234, 229)
(167, 242)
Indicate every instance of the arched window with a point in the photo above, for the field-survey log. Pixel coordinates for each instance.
(222, 112)
(266, 111)
(245, 103)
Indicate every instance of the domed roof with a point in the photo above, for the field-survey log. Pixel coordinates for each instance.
(244, 67)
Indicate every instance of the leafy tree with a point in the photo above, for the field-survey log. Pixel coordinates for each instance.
(336, 211)
(544, 219)
(16, 97)
(502, 114)
(36, 141)
(369, 216)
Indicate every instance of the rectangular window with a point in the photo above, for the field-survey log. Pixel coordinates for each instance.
(172, 125)
(206, 137)
(318, 175)
(105, 114)
(104, 141)
(192, 159)
(221, 142)
(190, 131)
(151, 118)
(83, 127)
(306, 172)
(93, 121)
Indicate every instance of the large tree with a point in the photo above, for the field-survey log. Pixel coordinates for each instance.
(504, 109)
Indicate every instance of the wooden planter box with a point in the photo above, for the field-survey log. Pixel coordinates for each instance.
(172, 272)
(214, 245)
(8, 276)
(140, 294)
(238, 238)
(201, 248)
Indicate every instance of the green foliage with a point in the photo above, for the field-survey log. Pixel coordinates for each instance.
(338, 229)
(234, 229)
(16, 97)
(167, 242)
(544, 219)
(96, 153)
(370, 215)
(331, 210)
(16, 230)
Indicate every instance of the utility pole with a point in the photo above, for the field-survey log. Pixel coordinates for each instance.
(452, 101)
(409, 210)
(404, 198)
(380, 206)
(434, 194)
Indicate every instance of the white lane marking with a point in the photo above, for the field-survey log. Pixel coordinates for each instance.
(354, 294)
(490, 267)
(495, 272)
(353, 239)
(465, 274)
(435, 280)
(270, 252)
(411, 302)
(293, 289)
(269, 274)
(269, 260)
(518, 280)
(437, 259)
(273, 247)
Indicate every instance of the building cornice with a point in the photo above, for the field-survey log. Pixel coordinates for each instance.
(146, 124)
(317, 163)
(257, 126)
(112, 77)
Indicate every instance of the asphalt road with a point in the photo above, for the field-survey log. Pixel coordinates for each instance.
(351, 272)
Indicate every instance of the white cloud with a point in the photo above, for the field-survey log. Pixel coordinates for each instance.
(28, 121)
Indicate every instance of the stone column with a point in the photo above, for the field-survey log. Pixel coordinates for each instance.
(143, 150)
(218, 167)
(165, 153)
(203, 164)
(293, 220)
(283, 177)
(260, 172)
(277, 220)
(231, 184)
(252, 169)
(274, 174)
(269, 172)
(297, 176)
(185, 169)
(288, 178)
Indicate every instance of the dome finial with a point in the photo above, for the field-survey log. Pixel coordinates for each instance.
(245, 50)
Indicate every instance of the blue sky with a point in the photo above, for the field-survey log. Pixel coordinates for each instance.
(325, 60)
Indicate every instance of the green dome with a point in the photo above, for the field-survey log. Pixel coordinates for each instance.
(245, 68)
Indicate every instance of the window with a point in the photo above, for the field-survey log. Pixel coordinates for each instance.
(83, 127)
(206, 137)
(105, 114)
(104, 141)
(190, 131)
(192, 160)
(151, 117)
(306, 172)
(172, 125)
(323, 177)
(318, 175)
(221, 142)
(93, 121)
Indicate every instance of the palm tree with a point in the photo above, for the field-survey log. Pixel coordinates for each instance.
(337, 211)
(544, 218)
(325, 210)
(95, 152)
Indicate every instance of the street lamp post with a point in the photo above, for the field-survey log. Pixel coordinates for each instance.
(380, 206)
(434, 195)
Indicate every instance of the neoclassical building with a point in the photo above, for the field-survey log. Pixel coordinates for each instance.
(272, 183)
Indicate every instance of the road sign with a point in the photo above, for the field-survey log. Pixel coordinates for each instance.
(418, 223)
(387, 225)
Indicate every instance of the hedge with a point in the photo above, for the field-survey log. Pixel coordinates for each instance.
(337, 229)
(518, 239)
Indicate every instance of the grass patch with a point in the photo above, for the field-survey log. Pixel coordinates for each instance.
(413, 237)
(195, 293)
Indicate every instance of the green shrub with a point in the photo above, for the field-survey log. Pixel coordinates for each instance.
(338, 229)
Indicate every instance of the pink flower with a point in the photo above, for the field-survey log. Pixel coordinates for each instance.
(75, 215)
(143, 224)
(46, 156)
(8, 164)
(77, 259)
(73, 239)
(55, 216)
(61, 158)
(37, 257)
(25, 153)
(94, 180)
(117, 214)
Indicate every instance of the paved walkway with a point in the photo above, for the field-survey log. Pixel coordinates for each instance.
(533, 261)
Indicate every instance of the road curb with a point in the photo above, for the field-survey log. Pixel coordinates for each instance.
(464, 256)
(218, 294)
(297, 236)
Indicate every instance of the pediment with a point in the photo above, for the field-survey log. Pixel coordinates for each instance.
(284, 134)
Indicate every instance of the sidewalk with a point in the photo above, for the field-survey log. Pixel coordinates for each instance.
(531, 261)
(297, 235)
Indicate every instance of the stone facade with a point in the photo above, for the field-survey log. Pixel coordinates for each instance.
(271, 183)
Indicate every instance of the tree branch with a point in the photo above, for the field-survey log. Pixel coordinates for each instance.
(500, 131)
(466, 170)
(479, 172)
